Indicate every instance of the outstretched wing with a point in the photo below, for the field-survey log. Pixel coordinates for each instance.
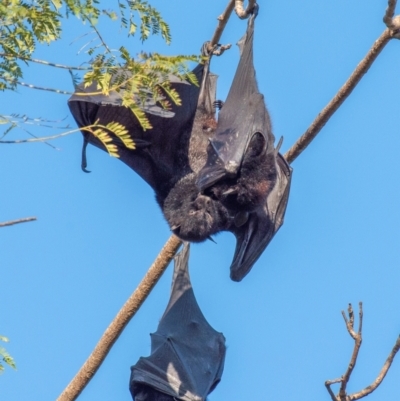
(254, 236)
(158, 150)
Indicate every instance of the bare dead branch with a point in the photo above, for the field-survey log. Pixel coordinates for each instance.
(12, 222)
(350, 321)
(113, 331)
(339, 98)
(328, 384)
(360, 317)
(381, 376)
(344, 380)
(357, 344)
(222, 20)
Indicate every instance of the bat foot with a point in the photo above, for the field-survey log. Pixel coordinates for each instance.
(217, 104)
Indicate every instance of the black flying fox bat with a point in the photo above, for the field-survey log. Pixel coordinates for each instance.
(187, 354)
(243, 170)
(175, 159)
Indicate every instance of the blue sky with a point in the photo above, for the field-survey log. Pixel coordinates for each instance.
(65, 276)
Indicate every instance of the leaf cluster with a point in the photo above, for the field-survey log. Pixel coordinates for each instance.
(137, 80)
(5, 357)
(22, 26)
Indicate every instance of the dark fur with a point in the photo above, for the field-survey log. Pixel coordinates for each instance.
(253, 184)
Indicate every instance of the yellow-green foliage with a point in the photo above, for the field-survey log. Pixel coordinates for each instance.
(5, 357)
(104, 133)
(25, 25)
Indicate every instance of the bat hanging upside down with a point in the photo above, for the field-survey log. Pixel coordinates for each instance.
(187, 354)
(208, 176)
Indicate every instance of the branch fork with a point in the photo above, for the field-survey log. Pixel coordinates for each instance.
(391, 21)
(344, 380)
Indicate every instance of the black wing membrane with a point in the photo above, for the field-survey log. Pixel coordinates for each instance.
(242, 116)
(262, 225)
(187, 354)
(159, 151)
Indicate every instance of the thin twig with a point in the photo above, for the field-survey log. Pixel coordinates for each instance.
(99, 35)
(12, 222)
(48, 138)
(328, 384)
(222, 20)
(35, 60)
(357, 344)
(113, 331)
(344, 380)
(339, 98)
(14, 81)
(381, 376)
(350, 322)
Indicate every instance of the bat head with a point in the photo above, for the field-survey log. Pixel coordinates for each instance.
(192, 216)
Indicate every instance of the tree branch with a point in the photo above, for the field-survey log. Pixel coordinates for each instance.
(357, 344)
(388, 18)
(35, 60)
(381, 375)
(222, 20)
(240, 11)
(113, 331)
(344, 380)
(14, 81)
(12, 222)
(339, 98)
